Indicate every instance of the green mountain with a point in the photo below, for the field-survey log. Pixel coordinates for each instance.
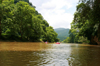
(62, 33)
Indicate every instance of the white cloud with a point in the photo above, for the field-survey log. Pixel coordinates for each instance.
(59, 20)
(56, 4)
(55, 11)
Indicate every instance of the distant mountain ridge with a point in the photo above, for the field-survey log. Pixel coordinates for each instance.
(63, 33)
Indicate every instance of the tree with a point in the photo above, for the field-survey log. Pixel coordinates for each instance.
(27, 21)
(5, 14)
(83, 40)
(86, 19)
(67, 40)
(51, 35)
(15, 1)
(22, 22)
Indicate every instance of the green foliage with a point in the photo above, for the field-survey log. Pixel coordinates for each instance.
(5, 14)
(67, 40)
(15, 1)
(86, 21)
(83, 40)
(51, 35)
(72, 36)
(21, 22)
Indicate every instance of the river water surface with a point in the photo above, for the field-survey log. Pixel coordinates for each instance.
(41, 54)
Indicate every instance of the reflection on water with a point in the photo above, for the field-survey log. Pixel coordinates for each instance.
(40, 54)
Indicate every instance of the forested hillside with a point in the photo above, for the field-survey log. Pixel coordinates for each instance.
(85, 28)
(19, 21)
(62, 33)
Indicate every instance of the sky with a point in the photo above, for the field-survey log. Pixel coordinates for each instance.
(58, 13)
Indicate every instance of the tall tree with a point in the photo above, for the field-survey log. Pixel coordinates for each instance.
(21, 21)
(23, 16)
(5, 12)
(86, 19)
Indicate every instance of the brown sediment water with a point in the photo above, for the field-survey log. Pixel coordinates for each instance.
(51, 54)
(23, 46)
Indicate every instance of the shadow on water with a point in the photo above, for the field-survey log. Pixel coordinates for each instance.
(49, 55)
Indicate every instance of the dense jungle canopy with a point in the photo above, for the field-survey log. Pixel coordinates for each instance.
(19, 21)
(85, 28)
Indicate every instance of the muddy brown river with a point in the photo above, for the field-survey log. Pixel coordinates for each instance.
(51, 54)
